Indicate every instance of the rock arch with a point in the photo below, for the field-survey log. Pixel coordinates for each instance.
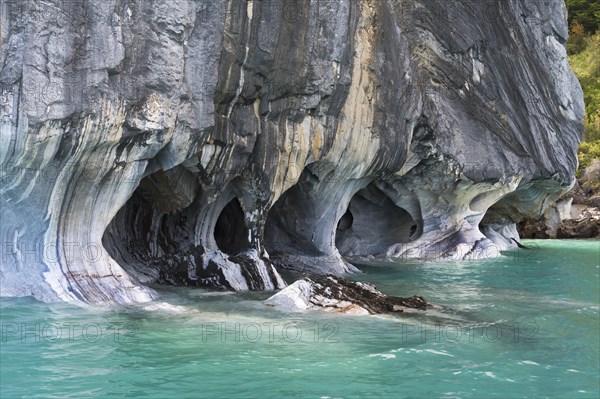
(373, 223)
(163, 236)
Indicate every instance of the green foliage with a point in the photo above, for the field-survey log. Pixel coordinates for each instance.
(584, 57)
(576, 42)
(590, 147)
(586, 13)
(586, 65)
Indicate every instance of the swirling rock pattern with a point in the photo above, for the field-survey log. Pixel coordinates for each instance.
(209, 142)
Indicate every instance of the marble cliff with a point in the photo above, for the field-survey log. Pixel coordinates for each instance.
(215, 143)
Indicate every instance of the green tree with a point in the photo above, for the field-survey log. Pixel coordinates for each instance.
(586, 65)
(585, 12)
(584, 57)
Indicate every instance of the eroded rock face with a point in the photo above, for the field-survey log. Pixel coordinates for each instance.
(225, 137)
(586, 226)
(335, 294)
(575, 215)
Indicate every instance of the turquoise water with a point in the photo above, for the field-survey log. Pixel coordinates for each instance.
(525, 325)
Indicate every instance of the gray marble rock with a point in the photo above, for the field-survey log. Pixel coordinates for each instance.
(215, 141)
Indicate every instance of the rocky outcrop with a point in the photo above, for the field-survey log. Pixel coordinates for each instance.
(335, 294)
(193, 142)
(534, 228)
(574, 215)
(585, 226)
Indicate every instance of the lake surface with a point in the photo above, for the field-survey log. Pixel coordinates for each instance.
(524, 325)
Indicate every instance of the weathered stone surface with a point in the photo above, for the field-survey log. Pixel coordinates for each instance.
(534, 228)
(138, 132)
(586, 226)
(575, 215)
(590, 181)
(335, 294)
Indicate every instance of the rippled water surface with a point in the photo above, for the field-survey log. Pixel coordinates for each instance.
(525, 325)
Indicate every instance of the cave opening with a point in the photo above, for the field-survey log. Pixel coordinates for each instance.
(345, 221)
(291, 225)
(499, 227)
(231, 233)
(372, 224)
(155, 224)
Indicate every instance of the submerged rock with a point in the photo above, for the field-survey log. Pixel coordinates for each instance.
(338, 295)
(195, 133)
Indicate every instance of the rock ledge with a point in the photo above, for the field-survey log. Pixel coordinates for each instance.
(338, 295)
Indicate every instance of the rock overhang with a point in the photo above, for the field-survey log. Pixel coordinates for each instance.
(137, 123)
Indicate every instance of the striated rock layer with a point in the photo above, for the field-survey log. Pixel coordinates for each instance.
(337, 295)
(209, 142)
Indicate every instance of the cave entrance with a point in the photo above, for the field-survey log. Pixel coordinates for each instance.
(156, 222)
(345, 221)
(372, 224)
(231, 233)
